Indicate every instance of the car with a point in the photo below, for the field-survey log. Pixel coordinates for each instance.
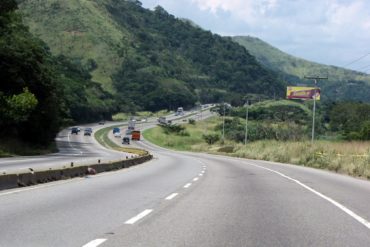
(101, 122)
(126, 140)
(88, 132)
(117, 134)
(75, 130)
(128, 132)
(116, 130)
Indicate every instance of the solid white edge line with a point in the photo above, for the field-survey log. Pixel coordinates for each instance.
(187, 185)
(170, 197)
(335, 203)
(133, 220)
(95, 242)
(195, 179)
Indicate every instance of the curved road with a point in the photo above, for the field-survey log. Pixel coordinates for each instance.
(78, 149)
(187, 199)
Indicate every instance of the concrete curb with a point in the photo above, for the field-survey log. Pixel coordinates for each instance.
(9, 181)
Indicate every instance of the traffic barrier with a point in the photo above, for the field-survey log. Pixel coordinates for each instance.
(48, 176)
(26, 179)
(8, 181)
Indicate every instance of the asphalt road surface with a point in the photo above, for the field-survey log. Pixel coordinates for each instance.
(78, 149)
(187, 199)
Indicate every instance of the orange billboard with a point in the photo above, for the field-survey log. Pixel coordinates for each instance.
(304, 93)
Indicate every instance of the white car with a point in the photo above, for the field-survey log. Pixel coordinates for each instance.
(117, 134)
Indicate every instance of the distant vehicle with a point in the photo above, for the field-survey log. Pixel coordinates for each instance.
(88, 132)
(116, 132)
(180, 111)
(101, 122)
(162, 120)
(75, 130)
(126, 140)
(131, 124)
(135, 135)
(128, 132)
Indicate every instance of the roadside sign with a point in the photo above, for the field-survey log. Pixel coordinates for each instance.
(304, 93)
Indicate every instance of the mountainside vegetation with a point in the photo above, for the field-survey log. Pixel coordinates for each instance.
(39, 92)
(342, 84)
(148, 58)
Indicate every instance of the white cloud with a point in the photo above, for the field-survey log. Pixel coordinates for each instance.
(327, 31)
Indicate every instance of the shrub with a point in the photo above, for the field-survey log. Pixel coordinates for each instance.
(211, 138)
(191, 121)
(172, 128)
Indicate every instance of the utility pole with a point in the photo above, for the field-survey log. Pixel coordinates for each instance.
(223, 125)
(315, 78)
(246, 124)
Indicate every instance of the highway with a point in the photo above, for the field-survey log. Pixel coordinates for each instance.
(188, 199)
(78, 149)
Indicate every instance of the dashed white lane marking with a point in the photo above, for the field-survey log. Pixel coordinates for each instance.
(335, 203)
(187, 185)
(138, 217)
(170, 197)
(195, 179)
(95, 242)
(200, 174)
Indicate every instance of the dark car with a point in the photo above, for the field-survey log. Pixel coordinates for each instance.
(88, 131)
(126, 140)
(75, 130)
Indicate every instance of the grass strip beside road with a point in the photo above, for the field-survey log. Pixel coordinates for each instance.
(351, 158)
(102, 137)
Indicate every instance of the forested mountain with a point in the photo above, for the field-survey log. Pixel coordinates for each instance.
(148, 59)
(342, 84)
(39, 92)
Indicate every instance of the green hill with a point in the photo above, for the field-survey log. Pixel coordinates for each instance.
(79, 29)
(343, 84)
(148, 59)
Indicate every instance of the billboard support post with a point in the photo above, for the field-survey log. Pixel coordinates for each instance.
(314, 104)
(313, 115)
(246, 124)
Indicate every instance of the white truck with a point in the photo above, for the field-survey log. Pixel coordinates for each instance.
(180, 111)
(163, 120)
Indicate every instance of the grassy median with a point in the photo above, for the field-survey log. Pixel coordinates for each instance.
(102, 137)
(352, 158)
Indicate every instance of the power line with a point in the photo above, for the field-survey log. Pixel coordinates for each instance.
(367, 66)
(356, 60)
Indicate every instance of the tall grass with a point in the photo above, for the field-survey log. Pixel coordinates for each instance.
(352, 158)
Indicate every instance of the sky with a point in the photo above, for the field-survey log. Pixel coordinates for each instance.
(333, 32)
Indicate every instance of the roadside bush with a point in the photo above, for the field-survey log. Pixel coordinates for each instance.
(211, 138)
(173, 129)
(365, 131)
(191, 121)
